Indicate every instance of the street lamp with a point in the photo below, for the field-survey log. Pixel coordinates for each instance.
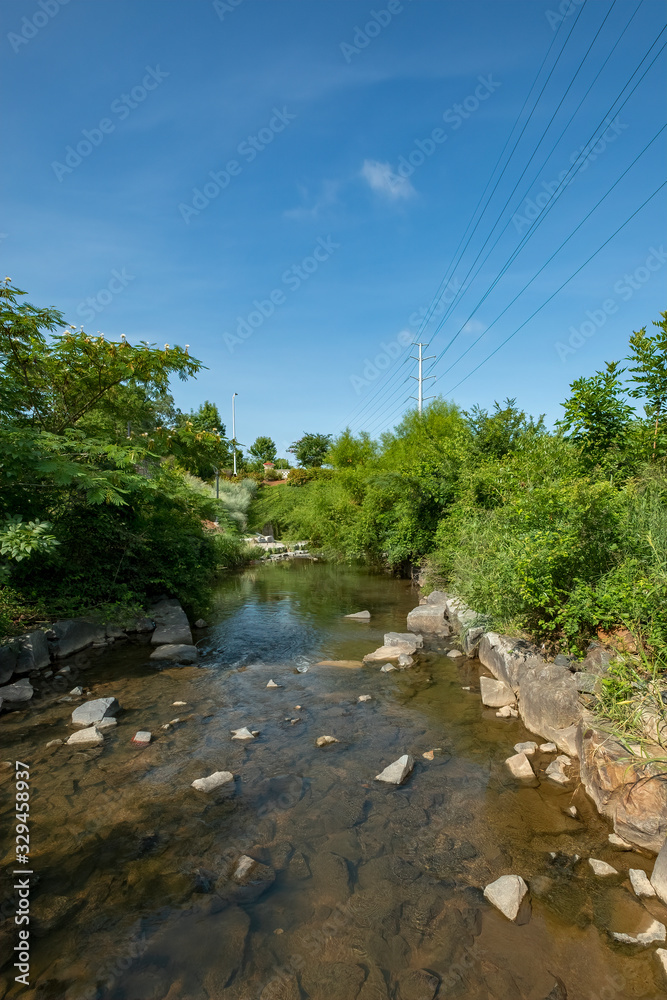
(234, 395)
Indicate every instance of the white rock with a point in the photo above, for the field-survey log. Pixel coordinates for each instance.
(496, 694)
(244, 734)
(325, 741)
(661, 955)
(142, 738)
(514, 714)
(212, 781)
(659, 874)
(54, 743)
(555, 770)
(504, 713)
(396, 773)
(364, 697)
(520, 767)
(77, 692)
(94, 711)
(548, 747)
(601, 867)
(466, 688)
(243, 867)
(453, 654)
(361, 616)
(389, 652)
(507, 894)
(655, 932)
(386, 668)
(106, 724)
(641, 882)
(527, 748)
(86, 737)
(572, 811)
(179, 702)
(618, 842)
(405, 660)
(272, 684)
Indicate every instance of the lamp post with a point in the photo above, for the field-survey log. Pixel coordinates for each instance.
(234, 395)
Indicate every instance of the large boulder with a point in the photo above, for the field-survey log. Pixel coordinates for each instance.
(94, 711)
(76, 634)
(171, 624)
(549, 704)
(33, 653)
(632, 793)
(507, 658)
(659, 874)
(495, 694)
(428, 618)
(175, 653)
(17, 692)
(9, 654)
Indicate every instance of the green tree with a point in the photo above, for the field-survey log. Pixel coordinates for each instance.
(264, 449)
(502, 431)
(649, 374)
(597, 419)
(349, 451)
(311, 450)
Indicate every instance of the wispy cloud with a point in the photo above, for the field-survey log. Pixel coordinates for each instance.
(474, 326)
(382, 179)
(312, 207)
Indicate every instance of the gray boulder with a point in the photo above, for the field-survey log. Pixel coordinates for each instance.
(171, 624)
(404, 638)
(549, 704)
(659, 874)
(17, 692)
(472, 639)
(86, 737)
(94, 711)
(9, 654)
(178, 653)
(437, 598)
(507, 658)
(33, 653)
(428, 618)
(520, 767)
(496, 694)
(76, 634)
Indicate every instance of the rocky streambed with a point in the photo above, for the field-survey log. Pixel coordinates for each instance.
(296, 873)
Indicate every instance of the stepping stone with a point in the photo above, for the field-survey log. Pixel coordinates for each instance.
(94, 711)
(214, 780)
(507, 894)
(601, 867)
(396, 773)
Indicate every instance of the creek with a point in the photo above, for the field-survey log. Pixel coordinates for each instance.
(362, 891)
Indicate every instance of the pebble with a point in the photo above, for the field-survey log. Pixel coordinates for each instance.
(386, 668)
(294, 721)
(601, 867)
(466, 689)
(572, 811)
(527, 748)
(640, 881)
(430, 753)
(297, 708)
(548, 747)
(77, 691)
(243, 734)
(179, 703)
(272, 684)
(142, 738)
(618, 842)
(212, 781)
(279, 930)
(555, 770)
(324, 741)
(454, 653)
(364, 697)
(54, 743)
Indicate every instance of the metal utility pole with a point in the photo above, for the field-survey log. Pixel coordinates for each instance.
(421, 378)
(234, 428)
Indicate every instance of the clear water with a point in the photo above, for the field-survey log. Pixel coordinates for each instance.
(361, 885)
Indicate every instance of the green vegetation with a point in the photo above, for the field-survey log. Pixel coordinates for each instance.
(555, 533)
(103, 500)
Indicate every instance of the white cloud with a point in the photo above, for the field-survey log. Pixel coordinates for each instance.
(310, 208)
(382, 179)
(474, 326)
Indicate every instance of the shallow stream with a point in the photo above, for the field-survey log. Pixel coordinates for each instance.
(364, 892)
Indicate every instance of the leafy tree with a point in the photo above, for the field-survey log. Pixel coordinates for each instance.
(205, 418)
(501, 432)
(349, 451)
(596, 418)
(649, 354)
(311, 449)
(264, 449)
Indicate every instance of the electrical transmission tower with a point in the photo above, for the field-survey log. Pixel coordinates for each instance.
(420, 379)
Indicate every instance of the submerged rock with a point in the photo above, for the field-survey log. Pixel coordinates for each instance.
(641, 882)
(364, 697)
(171, 624)
(175, 653)
(396, 773)
(360, 616)
(272, 684)
(555, 771)
(325, 741)
(496, 694)
(142, 738)
(405, 660)
(214, 780)
(527, 748)
(392, 652)
(655, 932)
(619, 843)
(244, 734)
(386, 668)
(601, 867)
(94, 711)
(507, 894)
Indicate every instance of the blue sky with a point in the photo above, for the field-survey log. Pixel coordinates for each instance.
(282, 186)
